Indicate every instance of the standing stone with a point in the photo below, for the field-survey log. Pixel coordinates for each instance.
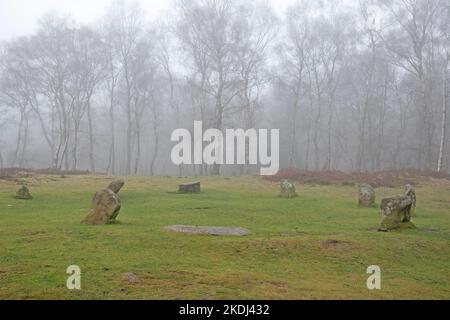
(287, 189)
(116, 186)
(410, 191)
(105, 208)
(366, 196)
(193, 187)
(24, 194)
(397, 211)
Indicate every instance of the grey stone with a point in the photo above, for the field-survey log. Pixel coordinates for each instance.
(366, 196)
(131, 278)
(213, 231)
(116, 186)
(105, 208)
(193, 187)
(410, 191)
(397, 211)
(287, 189)
(24, 193)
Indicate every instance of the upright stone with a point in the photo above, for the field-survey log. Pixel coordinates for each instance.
(116, 186)
(397, 211)
(410, 191)
(105, 208)
(287, 189)
(193, 187)
(23, 194)
(366, 196)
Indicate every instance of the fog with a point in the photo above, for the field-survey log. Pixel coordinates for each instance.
(20, 17)
(15, 21)
(101, 85)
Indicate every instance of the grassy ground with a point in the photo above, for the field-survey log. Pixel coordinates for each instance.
(317, 246)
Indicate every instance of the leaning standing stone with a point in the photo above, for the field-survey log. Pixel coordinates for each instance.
(287, 189)
(397, 211)
(24, 194)
(105, 208)
(193, 187)
(366, 196)
(116, 186)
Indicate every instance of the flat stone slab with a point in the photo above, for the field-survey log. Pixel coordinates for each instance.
(193, 187)
(213, 231)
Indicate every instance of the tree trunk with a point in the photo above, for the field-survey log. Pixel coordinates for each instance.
(156, 144)
(91, 138)
(137, 121)
(112, 151)
(330, 130)
(44, 131)
(75, 147)
(219, 118)
(129, 121)
(444, 120)
(317, 123)
(19, 138)
(25, 142)
(293, 152)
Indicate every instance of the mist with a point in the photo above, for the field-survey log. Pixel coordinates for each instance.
(352, 86)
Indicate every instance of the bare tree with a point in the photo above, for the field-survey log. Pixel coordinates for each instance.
(410, 40)
(14, 93)
(445, 34)
(293, 62)
(88, 70)
(346, 94)
(126, 27)
(212, 29)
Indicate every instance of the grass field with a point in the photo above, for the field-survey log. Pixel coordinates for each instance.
(317, 246)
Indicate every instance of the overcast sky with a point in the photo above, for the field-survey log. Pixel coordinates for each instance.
(19, 17)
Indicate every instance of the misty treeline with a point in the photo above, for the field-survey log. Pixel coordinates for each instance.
(361, 87)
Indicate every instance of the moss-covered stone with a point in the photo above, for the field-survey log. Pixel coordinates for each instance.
(366, 196)
(287, 190)
(23, 194)
(193, 187)
(397, 211)
(116, 186)
(105, 208)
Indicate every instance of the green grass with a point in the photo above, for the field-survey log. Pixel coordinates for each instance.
(316, 246)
